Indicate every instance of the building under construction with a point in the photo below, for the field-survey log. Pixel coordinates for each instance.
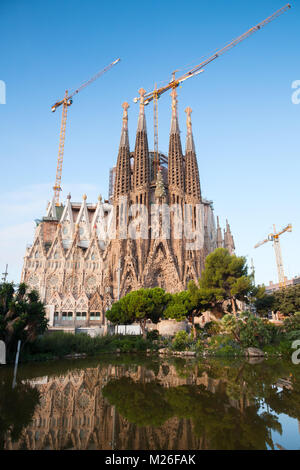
(81, 261)
(155, 228)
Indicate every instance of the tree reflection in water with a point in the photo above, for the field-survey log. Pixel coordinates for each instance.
(17, 407)
(142, 403)
(214, 418)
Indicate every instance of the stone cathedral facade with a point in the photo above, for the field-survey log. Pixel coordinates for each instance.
(87, 255)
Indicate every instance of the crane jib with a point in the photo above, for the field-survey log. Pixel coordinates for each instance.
(220, 52)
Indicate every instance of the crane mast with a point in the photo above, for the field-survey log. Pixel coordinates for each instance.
(274, 237)
(174, 83)
(66, 102)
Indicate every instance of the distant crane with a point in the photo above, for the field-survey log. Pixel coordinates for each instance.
(5, 274)
(174, 83)
(274, 237)
(67, 101)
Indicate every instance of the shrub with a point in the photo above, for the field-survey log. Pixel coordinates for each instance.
(212, 328)
(292, 335)
(250, 331)
(292, 323)
(199, 347)
(224, 345)
(60, 343)
(181, 341)
(283, 348)
(255, 332)
(153, 335)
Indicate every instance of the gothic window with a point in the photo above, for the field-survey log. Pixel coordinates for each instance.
(36, 255)
(65, 230)
(56, 255)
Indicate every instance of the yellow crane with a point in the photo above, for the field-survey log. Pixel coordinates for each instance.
(66, 102)
(174, 83)
(274, 237)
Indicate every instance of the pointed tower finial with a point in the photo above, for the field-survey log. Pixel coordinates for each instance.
(174, 121)
(220, 241)
(84, 197)
(99, 198)
(142, 120)
(188, 111)
(124, 142)
(190, 146)
(69, 196)
(125, 106)
(192, 180)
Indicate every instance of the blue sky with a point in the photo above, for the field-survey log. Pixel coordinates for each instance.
(246, 128)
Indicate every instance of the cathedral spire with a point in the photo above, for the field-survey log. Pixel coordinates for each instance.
(124, 141)
(174, 119)
(141, 173)
(175, 160)
(192, 181)
(220, 243)
(123, 172)
(142, 119)
(190, 146)
(228, 239)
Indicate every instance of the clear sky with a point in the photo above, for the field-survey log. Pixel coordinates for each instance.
(246, 128)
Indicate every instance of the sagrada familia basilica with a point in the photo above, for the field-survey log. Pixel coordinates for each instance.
(155, 229)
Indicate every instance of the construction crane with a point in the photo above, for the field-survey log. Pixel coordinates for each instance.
(175, 82)
(66, 102)
(274, 237)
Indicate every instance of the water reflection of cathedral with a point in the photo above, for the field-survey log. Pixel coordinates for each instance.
(72, 413)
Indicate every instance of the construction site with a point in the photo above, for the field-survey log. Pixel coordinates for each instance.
(81, 262)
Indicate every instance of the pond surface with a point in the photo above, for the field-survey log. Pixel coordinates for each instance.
(138, 402)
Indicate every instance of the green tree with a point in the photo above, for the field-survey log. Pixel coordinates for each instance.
(225, 277)
(178, 306)
(263, 302)
(188, 304)
(287, 300)
(139, 306)
(22, 315)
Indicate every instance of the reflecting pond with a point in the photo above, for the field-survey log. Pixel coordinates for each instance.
(138, 402)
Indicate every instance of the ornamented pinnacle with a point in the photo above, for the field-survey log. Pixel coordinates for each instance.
(190, 146)
(124, 135)
(188, 111)
(99, 198)
(125, 106)
(69, 196)
(84, 197)
(174, 121)
(142, 121)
